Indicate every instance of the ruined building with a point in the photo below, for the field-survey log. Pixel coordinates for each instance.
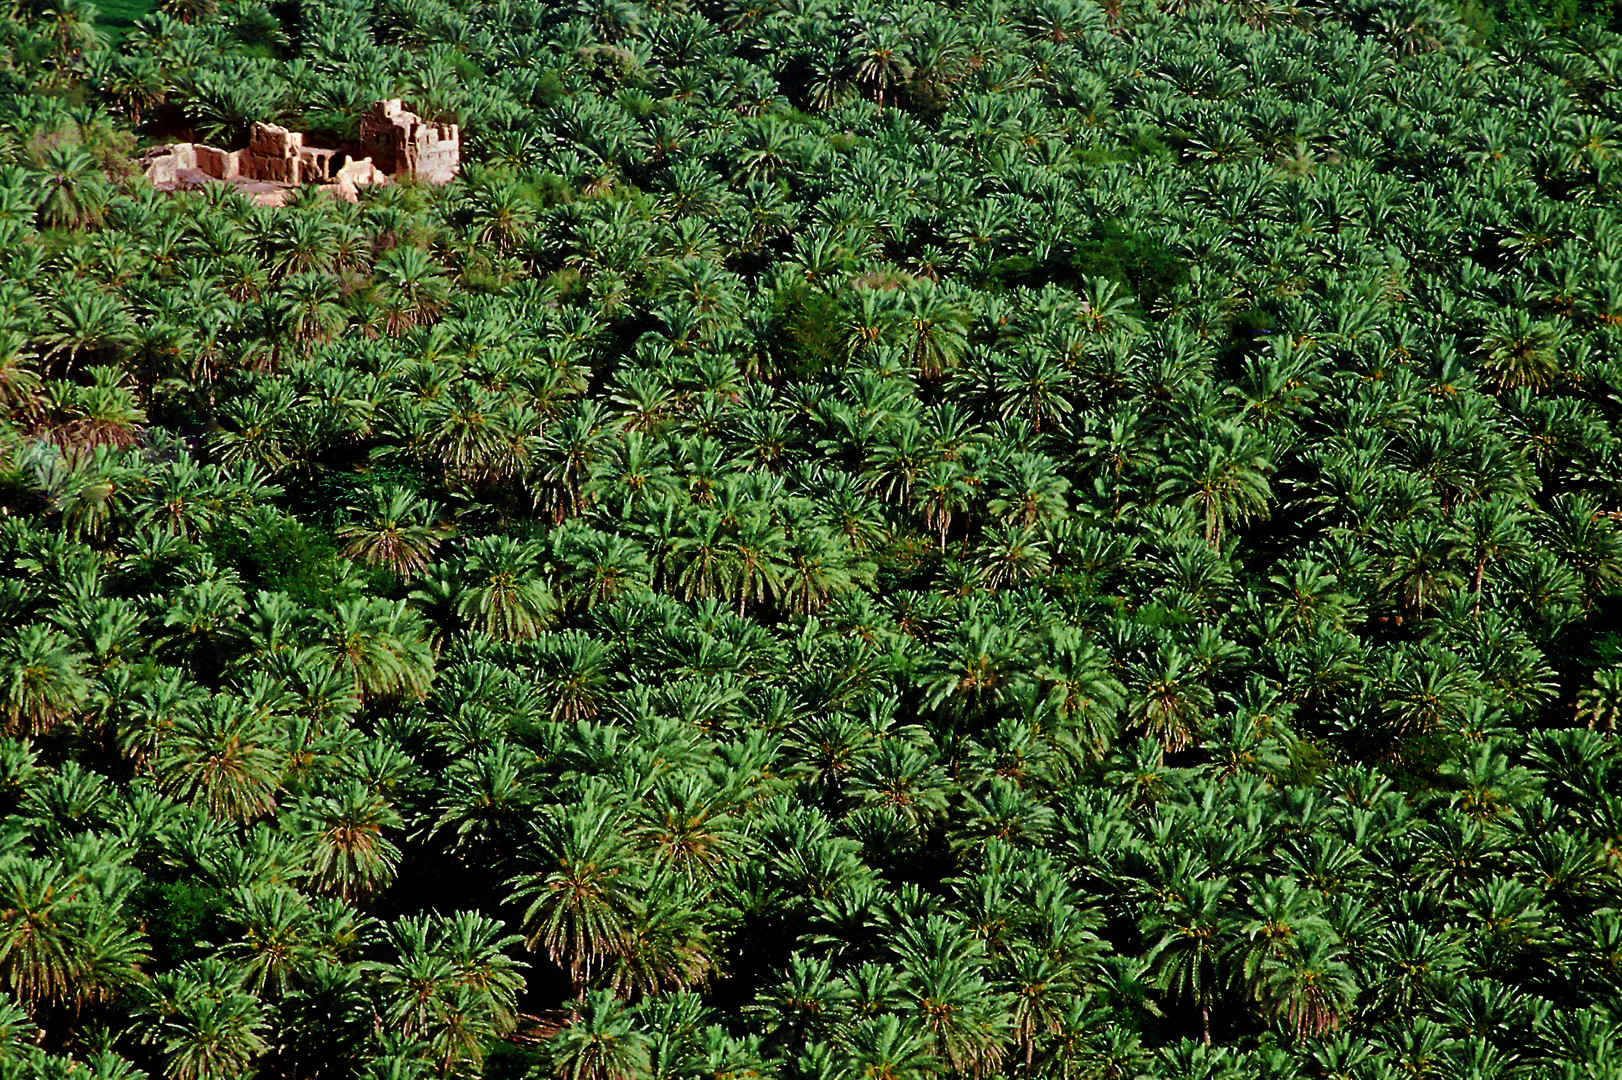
(404, 144)
(395, 144)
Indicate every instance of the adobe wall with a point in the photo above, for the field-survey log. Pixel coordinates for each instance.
(437, 159)
(404, 144)
(399, 144)
(273, 155)
(219, 164)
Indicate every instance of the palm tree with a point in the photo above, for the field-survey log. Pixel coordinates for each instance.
(412, 290)
(449, 989)
(21, 390)
(308, 307)
(1189, 927)
(380, 645)
(477, 949)
(1419, 555)
(1166, 699)
(875, 321)
(502, 213)
(882, 1048)
(670, 946)
(484, 803)
(1423, 963)
(902, 454)
(573, 675)
(938, 328)
(1081, 688)
(879, 58)
(1587, 540)
(1600, 703)
(42, 680)
(206, 1032)
(820, 566)
(504, 595)
(1280, 914)
(704, 555)
(760, 563)
(1028, 491)
(352, 857)
(582, 897)
(597, 567)
(1036, 387)
(1520, 351)
(942, 492)
(1486, 531)
(105, 413)
(63, 938)
(601, 1042)
(400, 531)
(224, 755)
(136, 84)
(1225, 481)
(435, 994)
(1011, 555)
(277, 942)
(953, 1004)
(80, 319)
(73, 194)
(631, 472)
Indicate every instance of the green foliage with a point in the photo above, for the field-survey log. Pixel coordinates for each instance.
(1038, 539)
(283, 554)
(178, 915)
(806, 338)
(1147, 268)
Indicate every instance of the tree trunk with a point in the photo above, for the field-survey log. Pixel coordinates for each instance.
(1205, 1025)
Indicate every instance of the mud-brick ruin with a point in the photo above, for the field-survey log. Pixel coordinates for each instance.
(395, 144)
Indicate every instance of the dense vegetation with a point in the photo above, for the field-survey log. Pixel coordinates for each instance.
(1014, 538)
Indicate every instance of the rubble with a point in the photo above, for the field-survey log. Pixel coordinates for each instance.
(396, 144)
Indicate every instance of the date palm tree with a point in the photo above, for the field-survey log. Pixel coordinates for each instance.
(937, 328)
(80, 320)
(206, 1029)
(581, 897)
(1223, 480)
(346, 830)
(399, 530)
(411, 288)
(1166, 698)
(943, 491)
(1600, 703)
(597, 567)
(603, 1041)
(63, 940)
(226, 756)
(73, 193)
(1190, 929)
(1311, 986)
(380, 645)
(1420, 561)
(42, 680)
(504, 594)
(1485, 532)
